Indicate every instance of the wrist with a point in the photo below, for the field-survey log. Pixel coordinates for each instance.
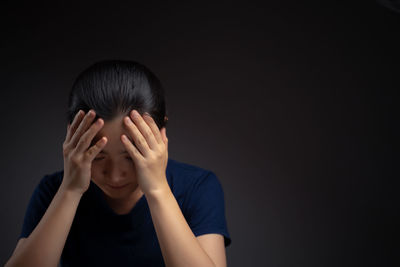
(69, 192)
(162, 191)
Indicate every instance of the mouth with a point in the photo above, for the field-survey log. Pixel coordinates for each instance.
(117, 186)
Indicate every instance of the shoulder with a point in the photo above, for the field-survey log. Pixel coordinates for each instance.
(181, 174)
(39, 201)
(49, 183)
(201, 198)
(174, 166)
(192, 184)
(53, 179)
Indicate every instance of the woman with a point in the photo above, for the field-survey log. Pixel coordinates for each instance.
(120, 201)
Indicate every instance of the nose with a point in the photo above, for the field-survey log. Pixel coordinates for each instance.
(115, 174)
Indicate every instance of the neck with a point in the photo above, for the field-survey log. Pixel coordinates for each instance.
(125, 205)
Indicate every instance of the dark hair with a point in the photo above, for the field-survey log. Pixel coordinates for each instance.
(114, 87)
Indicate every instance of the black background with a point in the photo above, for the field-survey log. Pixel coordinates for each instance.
(291, 103)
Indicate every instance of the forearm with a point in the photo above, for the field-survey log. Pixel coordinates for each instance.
(44, 245)
(178, 244)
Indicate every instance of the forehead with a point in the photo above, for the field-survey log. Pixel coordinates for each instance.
(112, 129)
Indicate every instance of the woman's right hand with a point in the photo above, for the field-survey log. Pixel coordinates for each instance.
(78, 156)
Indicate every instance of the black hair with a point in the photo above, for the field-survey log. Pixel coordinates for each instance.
(114, 87)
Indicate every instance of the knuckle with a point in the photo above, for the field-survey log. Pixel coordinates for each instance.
(158, 150)
(148, 133)
(91, 152)
(65, 145)
(151, 159)
(154, 157)
(159, 154)
(84, 139)
(65, 152)
(86, 156)
(140, 141)
(66, 149)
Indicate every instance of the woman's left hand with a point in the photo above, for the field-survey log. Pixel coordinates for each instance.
(149, 151)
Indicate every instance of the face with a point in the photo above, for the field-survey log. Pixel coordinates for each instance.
(113, 170)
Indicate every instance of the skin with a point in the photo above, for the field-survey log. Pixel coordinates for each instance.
(115, 165)
(136, 139)
(143, 173)
(149, 152)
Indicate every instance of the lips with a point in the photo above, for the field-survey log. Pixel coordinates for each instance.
(117, 186)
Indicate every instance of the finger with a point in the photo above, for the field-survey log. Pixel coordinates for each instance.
(92, 152)
(153, 126)
(163, 133)
(132, 150)
(144, 129)
(137, 136)
(72, 127)
(69, 125)
(86, 122)
(88, 136)
(164, 137)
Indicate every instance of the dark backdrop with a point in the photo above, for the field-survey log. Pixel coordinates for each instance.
(291, 103)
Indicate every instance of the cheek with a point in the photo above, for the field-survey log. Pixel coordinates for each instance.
(96, 171)
(128, 167)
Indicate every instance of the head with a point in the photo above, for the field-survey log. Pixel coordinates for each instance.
(112, 88)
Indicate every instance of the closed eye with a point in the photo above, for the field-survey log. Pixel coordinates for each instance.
(100, 158)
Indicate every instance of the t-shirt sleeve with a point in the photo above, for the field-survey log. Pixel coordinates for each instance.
(206, 207)
(40, 200)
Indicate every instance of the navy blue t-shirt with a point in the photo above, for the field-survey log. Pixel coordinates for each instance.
(100, 237)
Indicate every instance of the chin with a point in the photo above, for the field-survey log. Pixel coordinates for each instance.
(118, 193)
